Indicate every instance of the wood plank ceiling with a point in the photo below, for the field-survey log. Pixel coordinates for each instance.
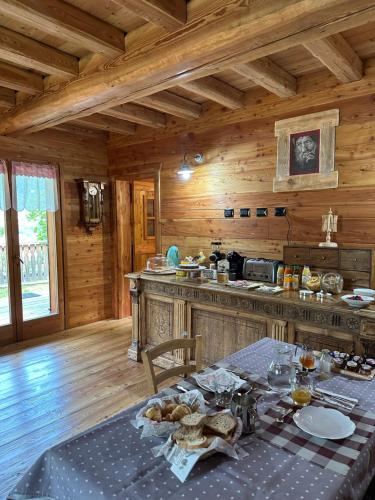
(117, 65)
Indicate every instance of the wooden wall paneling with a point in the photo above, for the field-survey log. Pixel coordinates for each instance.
(240, 155)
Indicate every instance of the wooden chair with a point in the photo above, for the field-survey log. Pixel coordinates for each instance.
(148, 355)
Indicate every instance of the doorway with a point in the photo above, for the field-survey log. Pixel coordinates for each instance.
(136, 209)
(31, 295)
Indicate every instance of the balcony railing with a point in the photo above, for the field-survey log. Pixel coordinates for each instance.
(34, 263)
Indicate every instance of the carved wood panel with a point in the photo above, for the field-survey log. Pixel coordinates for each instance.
(159, 320)
(223, 333)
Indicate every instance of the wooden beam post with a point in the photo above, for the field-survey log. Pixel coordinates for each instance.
(19, 49)
(172, 104)
(267, 74)
(137, 114)
(170, 14)
(338, 56)
(108, 123)
(15, 78)
(216, 90)
(196, 50)
(65, 21)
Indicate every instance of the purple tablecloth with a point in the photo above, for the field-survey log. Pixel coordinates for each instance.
(110, 461)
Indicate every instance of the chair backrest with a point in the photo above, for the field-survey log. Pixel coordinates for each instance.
(148, 355)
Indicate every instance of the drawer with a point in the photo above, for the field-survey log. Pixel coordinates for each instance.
(296, 255)
(355, 260)
(324, 257)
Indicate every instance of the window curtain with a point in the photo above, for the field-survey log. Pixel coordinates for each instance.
(4, 187)
(34, 187)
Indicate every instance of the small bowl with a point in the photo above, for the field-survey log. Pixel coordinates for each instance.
(362, 300)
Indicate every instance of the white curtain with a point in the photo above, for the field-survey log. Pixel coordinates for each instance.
(34, 187)
(4, 187)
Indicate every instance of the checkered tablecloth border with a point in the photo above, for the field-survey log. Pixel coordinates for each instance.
(337, 456)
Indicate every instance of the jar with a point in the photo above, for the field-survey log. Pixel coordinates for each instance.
(332, 283)
(314, 282)
(222, 277)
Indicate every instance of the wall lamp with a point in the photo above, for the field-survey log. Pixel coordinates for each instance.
(185, 169)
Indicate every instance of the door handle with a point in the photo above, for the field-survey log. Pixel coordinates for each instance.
(17, 257)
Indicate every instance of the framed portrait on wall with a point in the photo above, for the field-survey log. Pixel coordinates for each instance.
(306, 152)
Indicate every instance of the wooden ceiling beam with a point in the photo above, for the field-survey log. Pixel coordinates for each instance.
(172, 104)
(338, 56)
(20, 79)
(216, 90)
(19, 49)
(267, 74)
(101, 122)
(170, 14)
(65, 21)
(247, 32)
(137, 114)
(7, 98)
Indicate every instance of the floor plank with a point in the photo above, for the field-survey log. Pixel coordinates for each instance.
(54, 387)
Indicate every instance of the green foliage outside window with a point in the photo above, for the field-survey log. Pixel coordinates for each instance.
(40, 229)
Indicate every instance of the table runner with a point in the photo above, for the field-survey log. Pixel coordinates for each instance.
(337, 456)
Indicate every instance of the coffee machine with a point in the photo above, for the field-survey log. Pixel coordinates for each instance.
(236, 262)
(216, 253)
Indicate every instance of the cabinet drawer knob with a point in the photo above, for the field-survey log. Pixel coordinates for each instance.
(355, 259)
(323, 258)
(296, 256)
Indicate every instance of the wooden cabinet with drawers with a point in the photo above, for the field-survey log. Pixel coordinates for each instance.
(355, 265)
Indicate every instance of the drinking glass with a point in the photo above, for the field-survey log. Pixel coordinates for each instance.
(307, 358)
(301, 389)
(224, 391)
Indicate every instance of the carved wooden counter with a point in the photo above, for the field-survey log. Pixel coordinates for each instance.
(230, 319)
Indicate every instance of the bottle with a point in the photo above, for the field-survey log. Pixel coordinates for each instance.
(306, 275)
(295, 278)
(288, 277)
(280, 275)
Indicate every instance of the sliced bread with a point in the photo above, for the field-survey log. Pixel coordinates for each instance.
(193, 420)
(222, 424)
(185, 433)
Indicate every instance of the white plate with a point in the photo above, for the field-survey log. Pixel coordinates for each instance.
(324, 423)
(364, 291)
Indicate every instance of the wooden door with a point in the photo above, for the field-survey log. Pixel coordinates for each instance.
(144, 223)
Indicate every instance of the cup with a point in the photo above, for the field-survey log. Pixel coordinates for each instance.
(223, 393)
(301, 389)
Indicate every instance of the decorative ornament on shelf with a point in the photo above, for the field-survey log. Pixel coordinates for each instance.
(329, 225)
(91, 194)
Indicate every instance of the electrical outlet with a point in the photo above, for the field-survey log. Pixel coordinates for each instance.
(280, 212)
(262, 212)
(245, 212)
(228, 213)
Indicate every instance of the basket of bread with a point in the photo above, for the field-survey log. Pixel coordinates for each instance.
(198, 437)
(162, 416)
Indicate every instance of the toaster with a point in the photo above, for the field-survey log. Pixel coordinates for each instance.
(260, 270)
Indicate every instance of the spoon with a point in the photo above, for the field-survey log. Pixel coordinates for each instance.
(280, 418)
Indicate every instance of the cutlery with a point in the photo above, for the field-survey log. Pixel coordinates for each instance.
(183, 389)
(333, 402)
(339, 397)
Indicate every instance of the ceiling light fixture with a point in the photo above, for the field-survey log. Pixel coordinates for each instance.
(185, 170)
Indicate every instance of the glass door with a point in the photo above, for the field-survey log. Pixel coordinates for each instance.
(31, 292)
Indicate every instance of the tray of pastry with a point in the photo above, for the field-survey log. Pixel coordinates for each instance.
(354, 366)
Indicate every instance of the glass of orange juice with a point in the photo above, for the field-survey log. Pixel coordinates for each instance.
(301, 389)
(307, 358)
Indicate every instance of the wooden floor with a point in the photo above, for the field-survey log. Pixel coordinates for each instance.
(55, 387)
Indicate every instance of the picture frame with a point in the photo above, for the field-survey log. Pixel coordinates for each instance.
(306, 152)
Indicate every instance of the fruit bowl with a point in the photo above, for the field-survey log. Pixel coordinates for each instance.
(357, 301)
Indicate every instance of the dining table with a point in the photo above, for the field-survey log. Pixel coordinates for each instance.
(278, 461)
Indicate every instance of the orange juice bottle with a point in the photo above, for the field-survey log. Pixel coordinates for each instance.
(288, 278)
